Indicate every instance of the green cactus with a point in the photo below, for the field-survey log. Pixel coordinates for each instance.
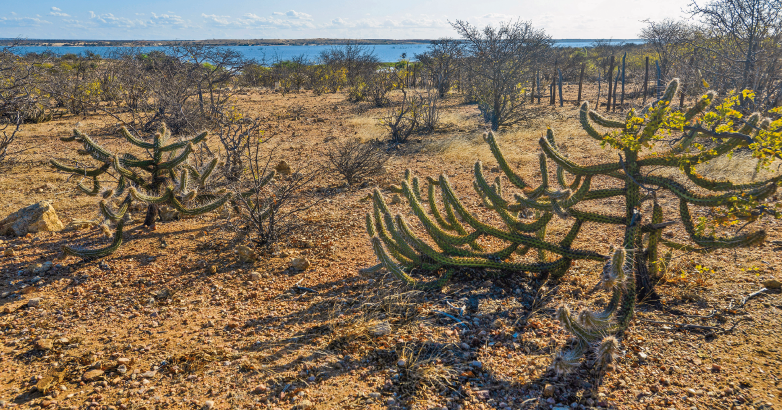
(457, 239)
(165, 178)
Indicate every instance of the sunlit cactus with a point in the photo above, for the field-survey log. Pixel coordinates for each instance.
(165, 178)
(453, 238)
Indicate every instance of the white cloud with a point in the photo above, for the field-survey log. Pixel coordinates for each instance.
(422, 22)
(254, 21)
(297, 15)
(169, 19)
(56, 11)
(109, 20)
(22, 21)
(219, 20)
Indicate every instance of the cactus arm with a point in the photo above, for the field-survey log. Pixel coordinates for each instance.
(129, 174)
(397, 271)
(503, 164)
(683, 193)
(178, 159)
(701, 105)
(605, 122)
(100, 252)
(182, 144)
(717, 242)
(80, 171)
(586, 124)
(150, 199)
(684, 248)
(571, 166)
(129, 160)
(119, 214)
(208, 207)
(135, 141)
(95, 187)
(511, 237)
(713, 185)
(96, 151)
(598, 218)
(210, 166)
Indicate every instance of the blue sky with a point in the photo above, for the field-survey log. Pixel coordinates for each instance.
(397, 19)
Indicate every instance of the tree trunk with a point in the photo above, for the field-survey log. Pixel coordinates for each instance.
(646, 79)
(644, 287)
(580, 82)
(151, 218)
(609, 77)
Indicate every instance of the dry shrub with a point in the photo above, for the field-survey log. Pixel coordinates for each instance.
(355, 160)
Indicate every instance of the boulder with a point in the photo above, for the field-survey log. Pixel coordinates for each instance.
(38, 217)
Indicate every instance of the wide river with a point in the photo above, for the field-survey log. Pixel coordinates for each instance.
(271, 54)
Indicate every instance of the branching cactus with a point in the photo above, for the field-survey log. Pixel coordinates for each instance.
(164, 178)
(458, 239)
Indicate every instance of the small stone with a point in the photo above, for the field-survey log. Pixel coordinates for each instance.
(381, 328)
(212, 269)
(122, 369)
(401, 363)
(300, 263)
(44, 344)
(123, 360)
(260, 389)
(482, 394)
(9, 252)
(34, 302)
(148, 375)
(92, 375)
(209, 404)
(396, 199)
(691, 392)
(283, 168)
(375, 395)
(464, 346)
(476, 364)
(715, 367)
(772, 284)
(655, 388)
(245, 253)
(305, 405)
(642, 356)
(548, 391)
(255, 276)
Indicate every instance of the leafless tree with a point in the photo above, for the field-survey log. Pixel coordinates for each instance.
(354, 159)
(357, 60)
(744, 37)
(502, 58)
(441, 62)
(669, 39)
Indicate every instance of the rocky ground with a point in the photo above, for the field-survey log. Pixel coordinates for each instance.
(175, 319)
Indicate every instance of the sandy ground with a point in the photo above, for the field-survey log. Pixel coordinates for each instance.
(175, 320)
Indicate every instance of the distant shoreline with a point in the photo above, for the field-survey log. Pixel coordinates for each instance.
(230, 42)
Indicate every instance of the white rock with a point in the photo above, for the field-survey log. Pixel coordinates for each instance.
(300, 263)
(37, 217)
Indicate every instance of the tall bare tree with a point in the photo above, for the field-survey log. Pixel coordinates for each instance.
(744, 35)
(501, 61)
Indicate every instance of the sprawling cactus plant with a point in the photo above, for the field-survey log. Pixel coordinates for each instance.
(458, 239)
(164, 178)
